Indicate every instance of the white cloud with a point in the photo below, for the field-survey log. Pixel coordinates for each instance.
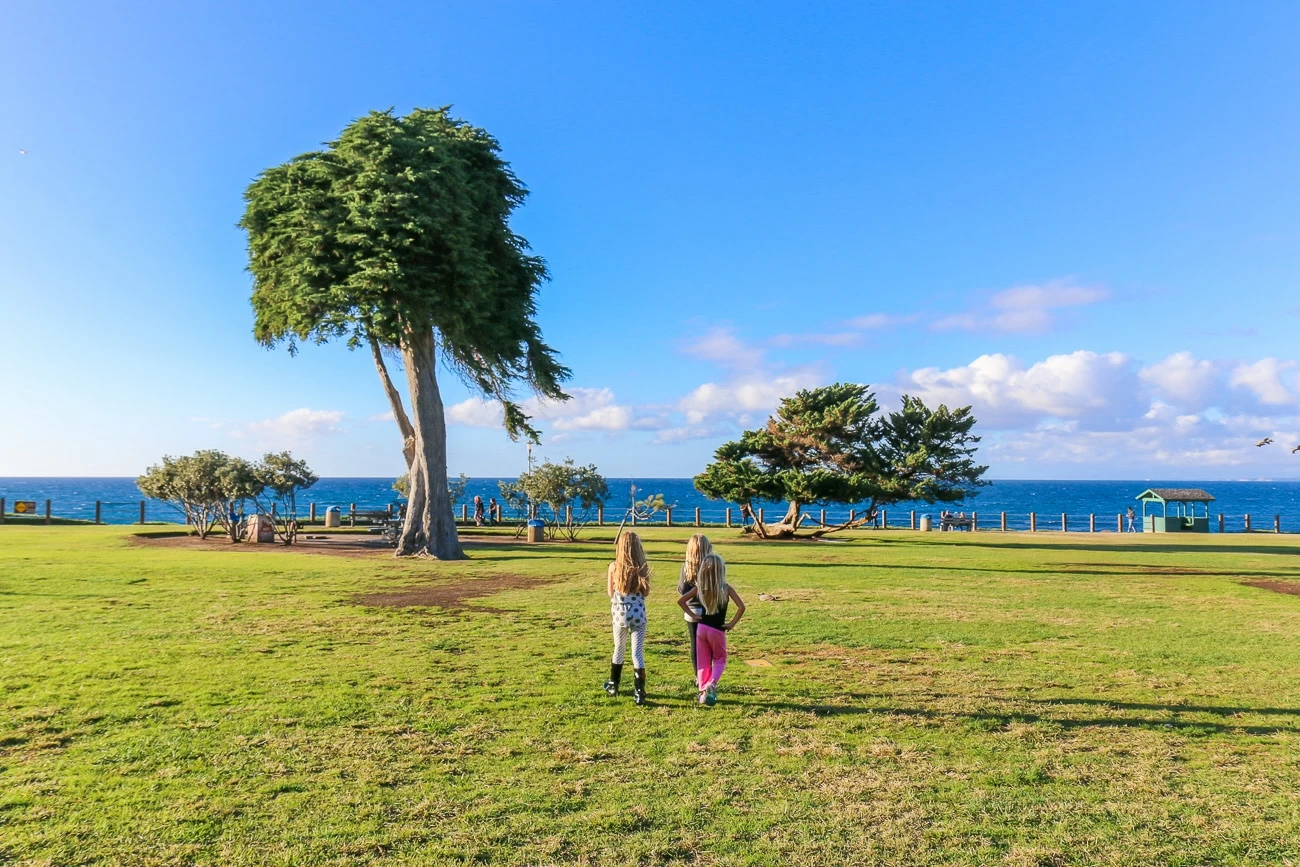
(1098, 390)
(842, 338)
(758, 394)
(721, 346)
(382, 416)
(476, 412)
(295, 426)
(1023, 308)
(877, 321)
(1263, 378)
(1183, 379)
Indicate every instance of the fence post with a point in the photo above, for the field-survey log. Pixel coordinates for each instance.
(600, 515)
(352, 514)
(1065, 525)
(464, 512)
(823, 517)
(273, 511)
(1033, 522)
(697, 516)
(914, 519)
(47, 511)
(1119, 523)
(1220, 521)
(142, 511)
(568, 515)
(1092, 522)
(312, 513)
(1004, 522)
(1277, 523)
(760, 515)
(2, 510)
(97, 511)
(728, 516)
(884, 519)
(390, 511)
(852, 515)
(974, 521)
(1247, 522)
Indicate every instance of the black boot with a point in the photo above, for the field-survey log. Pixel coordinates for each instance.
(638, 686)
(615, 675)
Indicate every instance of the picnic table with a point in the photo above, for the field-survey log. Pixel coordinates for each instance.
(383, 523)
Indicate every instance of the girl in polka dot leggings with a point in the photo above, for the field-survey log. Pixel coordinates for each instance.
(628, 583)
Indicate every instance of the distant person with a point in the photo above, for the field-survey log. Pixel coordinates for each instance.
(627, 580)
(494, 511)
(713, 593)
(696, 550)
(1132, 517)
(478, 511)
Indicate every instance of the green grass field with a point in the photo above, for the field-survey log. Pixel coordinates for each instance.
(955, 699)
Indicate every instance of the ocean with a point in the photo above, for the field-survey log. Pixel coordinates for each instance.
(120, 500)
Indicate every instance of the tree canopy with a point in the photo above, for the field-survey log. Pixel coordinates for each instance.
(834, 445)
(397, 235)
(569, 493)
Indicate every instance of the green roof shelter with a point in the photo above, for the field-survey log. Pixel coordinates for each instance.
(1183, 517)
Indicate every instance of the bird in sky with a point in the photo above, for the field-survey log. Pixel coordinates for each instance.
(22, 152)
(1265, 441)
(1296, 449)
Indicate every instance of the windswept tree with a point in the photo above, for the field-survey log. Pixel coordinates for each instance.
(396, 237)
(833, 445)
(570, 493)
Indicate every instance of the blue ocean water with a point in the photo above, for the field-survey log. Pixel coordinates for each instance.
(120, 500)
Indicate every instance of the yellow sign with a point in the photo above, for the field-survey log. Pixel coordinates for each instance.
(24, 507)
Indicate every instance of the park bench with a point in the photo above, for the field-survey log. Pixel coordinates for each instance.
(385, 523)
(952, 522)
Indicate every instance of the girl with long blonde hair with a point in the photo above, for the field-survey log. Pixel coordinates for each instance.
(627, 581)
(696, 550)
(713, 593)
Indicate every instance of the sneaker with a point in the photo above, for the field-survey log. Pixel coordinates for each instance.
(700, 699)
(711, 696)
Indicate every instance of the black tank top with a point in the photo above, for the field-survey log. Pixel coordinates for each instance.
(718, 619)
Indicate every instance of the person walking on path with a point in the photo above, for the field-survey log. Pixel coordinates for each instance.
(494, 511)
(478, 511)
(627, 580)
(696, 550)
(713, 591)
(1131, 515)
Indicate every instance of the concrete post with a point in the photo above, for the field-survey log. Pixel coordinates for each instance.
(884, 519)
(823, 517)
(1065, 525)
(668, 516)
(1220, 522)
(760, 515)
(311, 513)
(974, 521)
(600, 515)
(728, 516)
(914, 519)
(1277, 523)
(1248, 523)
(352, 514)
(142, 511)
(47, 511)
(1119, 523)
(2, 510)
(1033, 523)
(1092, 522)
(697, 516)
(1004, 522)
(97, 512)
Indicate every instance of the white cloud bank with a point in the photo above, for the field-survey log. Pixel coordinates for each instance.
(293, 428)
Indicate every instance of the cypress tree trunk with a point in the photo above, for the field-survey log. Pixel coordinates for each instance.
(428, 511)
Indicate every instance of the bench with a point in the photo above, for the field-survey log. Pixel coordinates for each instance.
(952, 522)
(382, 522)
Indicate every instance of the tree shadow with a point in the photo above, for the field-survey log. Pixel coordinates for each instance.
(1142, 546)
(1129, 569)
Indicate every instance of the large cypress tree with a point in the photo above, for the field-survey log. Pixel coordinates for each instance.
(397, 237)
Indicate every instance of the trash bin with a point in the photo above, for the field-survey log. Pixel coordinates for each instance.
(333, 517)
(536, 530)
(926, 524)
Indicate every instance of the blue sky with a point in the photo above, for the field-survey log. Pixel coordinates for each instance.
(1081, 220)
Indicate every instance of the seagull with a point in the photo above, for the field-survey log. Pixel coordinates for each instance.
(767, 597)
(1265, 441)
(1296, 449)
(22, 152)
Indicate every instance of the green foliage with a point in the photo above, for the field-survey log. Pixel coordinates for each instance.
(206, 487)
(833, 445)
(282, 478)
(570, 493)
(401, 227)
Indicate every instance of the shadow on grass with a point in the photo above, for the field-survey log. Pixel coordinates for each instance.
(1142, 547)
(991, 721)
(1129, 569)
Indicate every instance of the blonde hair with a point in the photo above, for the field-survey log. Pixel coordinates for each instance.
(711, 583)
(631, 571)
(697, 549)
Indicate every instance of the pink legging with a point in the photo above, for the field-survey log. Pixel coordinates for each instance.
(710, 655)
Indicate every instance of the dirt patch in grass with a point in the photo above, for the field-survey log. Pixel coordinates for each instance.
(1291, 588)
(336, 544)
(452, 595)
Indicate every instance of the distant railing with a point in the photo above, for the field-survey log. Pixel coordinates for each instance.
(47, 511)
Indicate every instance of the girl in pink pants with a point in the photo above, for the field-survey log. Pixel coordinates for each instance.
(712, 594)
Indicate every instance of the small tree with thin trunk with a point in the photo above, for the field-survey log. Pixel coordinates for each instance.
(396, 236)
(282, 477)
(237, 482)
(831, 445)
(568, 492)
(190, 483)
